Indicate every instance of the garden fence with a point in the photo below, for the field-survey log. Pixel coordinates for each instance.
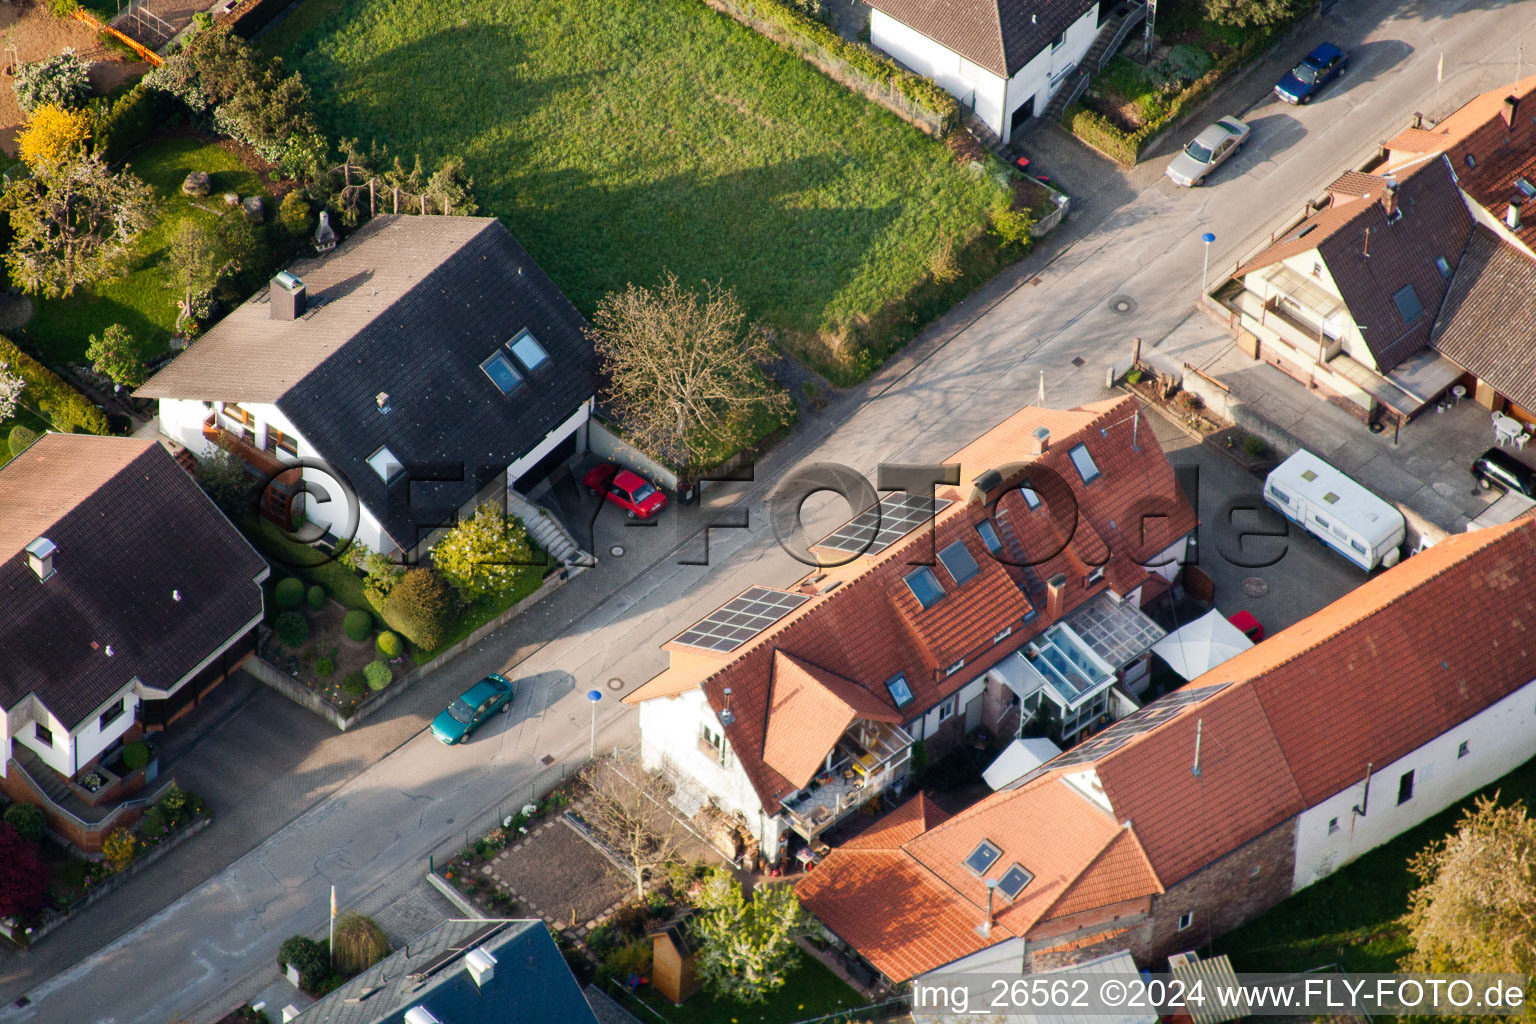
(839, 70)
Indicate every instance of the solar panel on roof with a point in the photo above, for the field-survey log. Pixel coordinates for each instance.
(883, 524)
(741, 619)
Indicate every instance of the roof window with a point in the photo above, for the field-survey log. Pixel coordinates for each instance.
(899, 689)
(1407, 302)
(959, 562)
(528, 350)
(385, 464)
(1084, 463)
(924, 586)
(1013, 881)
(989, 536)
(983, 857)
(1471, 160)
(1444, 266)
(1030, 497)
(503, 374)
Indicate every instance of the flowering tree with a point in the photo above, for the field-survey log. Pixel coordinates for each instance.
(11, 385)
(53, 135)
(483, 555)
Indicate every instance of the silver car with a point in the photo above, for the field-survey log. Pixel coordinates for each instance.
(1207, 151)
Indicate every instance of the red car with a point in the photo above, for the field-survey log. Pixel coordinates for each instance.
(1248, 624)
(637, 496)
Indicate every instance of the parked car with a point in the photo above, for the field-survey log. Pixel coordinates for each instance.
(1207, 150)
(458, 720)
(1321, 66)
(637, 496)
(1497, 468)
(1249, 625)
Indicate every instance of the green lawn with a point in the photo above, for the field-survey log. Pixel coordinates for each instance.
(144, 300)
(809, 991)
(1354, 917)
(618, 140)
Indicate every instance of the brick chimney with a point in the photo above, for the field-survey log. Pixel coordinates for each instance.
(1040, 441)
(1055, 596)
(1508, 108)
(1389, 199)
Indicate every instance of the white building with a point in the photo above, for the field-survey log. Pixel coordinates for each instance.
(1004, 59)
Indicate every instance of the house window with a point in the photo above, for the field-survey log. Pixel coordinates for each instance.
(503, 374)
(528, 351)
(1013, 881)
(1030, 497)
(1462, 750)
(1405, 788)
(1005, 634)
(924, 586)
(1317, 269)
(956, 667)
(246, 419)
(385, 464)
(1186, 919)
(1096, 575)
(1444, 266)
(1060, 38)
(711, 743)
(946, 710)
(1407, 302)
(279, 441)
(983, 857)
(989, 536)
(959, 562)
(1084, 463)
(1333, 825)
(109, 716)
(43, 733)
(899, 690)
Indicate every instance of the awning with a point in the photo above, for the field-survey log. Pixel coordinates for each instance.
(1195, 649)
(1017, 760)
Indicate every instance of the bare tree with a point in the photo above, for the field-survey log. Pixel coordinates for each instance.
(627, 808)
(683, 369)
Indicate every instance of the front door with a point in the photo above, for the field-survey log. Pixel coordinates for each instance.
(973, 715)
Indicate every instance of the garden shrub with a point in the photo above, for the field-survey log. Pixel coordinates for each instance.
(135, 755)
(66, 408)
(388, 644)
(310, 958)
(179, 806)
(289, 593)
(600, 939)
(20, 439)
(25, 881)
(292, 629)
(26, 819)
(1190, 61)
(421, 607)
(135, 116)
(1012, 227)
(357, 624)
(118, 848)
(632, 958)
(378, 675)
(1254, 446)
(325, 667)
(355, 684)
(359, 944)
(293, 214)
(315, 596)
(62, 80)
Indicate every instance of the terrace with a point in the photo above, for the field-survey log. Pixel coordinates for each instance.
(869, 759)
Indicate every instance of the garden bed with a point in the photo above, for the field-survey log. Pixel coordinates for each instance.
(329, 662)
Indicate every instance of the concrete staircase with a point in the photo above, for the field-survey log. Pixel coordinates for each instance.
(546, 530)
(1126, 17)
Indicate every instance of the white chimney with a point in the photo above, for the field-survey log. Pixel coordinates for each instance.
(382, 401)
(1040, 441)
(40, 557)
(481, 964)
(1512, 217)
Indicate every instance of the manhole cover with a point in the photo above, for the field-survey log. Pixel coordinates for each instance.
(1077, 360)
(1255, 586)
(617, 551)
(547, 759)
(615, 683)
(1123, 304)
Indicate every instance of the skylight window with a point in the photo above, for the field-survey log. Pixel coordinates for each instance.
(502, 373)
(1407, 302)
(924, 586)
(900, 692)
(1084, 463)
(1444, 266)
(1030, 497)
(989, 536)
(959, 562)
(983, 857)
(1309, 475)
(1013, 881)
(528, 351)
(385, 464)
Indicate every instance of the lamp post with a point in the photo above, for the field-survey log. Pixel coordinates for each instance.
(594, 696)
(1207, 238)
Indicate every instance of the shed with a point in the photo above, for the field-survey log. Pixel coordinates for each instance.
(673, 952)
(1017, 760)
(1213, 973)
(1196, 648)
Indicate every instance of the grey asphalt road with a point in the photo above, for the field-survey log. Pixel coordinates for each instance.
(1055, 314)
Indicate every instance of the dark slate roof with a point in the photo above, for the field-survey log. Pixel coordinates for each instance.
(408, 306)
(1000, 35)
(1487, 325)
(131, 527)
(530, 981)
(1371, 257)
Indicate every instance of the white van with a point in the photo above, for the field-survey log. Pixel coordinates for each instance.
(1338, 511)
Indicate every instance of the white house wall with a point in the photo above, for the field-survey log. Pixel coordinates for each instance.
(1498, 738)
(923, 727)
(91, 740)
(1048, 70)
(974, 86)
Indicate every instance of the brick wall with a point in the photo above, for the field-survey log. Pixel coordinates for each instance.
(1068, 940)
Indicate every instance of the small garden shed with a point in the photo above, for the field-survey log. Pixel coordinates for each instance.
(673, 952)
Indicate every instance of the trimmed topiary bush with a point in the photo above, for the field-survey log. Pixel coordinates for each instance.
(20, 439)
(26, 819)
(292, 629)
(135, 755)
(358, 624)
(315, 596)
(288, 594)
(310, 958)
(378, 675)
(388, 644)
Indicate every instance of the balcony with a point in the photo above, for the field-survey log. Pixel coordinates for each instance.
(870, 758)
(279, 500)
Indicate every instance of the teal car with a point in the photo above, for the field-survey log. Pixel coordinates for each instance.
(466, 714)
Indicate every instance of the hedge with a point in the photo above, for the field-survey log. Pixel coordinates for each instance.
(919, 90)
(133, 118)
(51, 395)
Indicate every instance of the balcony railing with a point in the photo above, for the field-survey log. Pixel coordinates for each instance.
(869, 760)
(276, 479)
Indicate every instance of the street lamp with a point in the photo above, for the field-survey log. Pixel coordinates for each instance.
(594, 696)
(1207, 238)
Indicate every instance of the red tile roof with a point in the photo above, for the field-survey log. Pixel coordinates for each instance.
(908, 821)
(808, 709)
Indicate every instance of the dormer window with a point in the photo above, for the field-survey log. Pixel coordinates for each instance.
(1013, 881)
(1084, 463)
(1095, 575)
(983, 857)
(503, 374)
(385, 464)
(899, 689)
(959, 562)
(924, 586)
(528, 351)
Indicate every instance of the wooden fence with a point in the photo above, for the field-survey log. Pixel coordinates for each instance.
(151, 58)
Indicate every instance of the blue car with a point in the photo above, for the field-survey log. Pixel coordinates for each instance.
(1322, 66)
(458, 720)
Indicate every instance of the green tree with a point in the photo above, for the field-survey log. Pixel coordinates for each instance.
(115, 353)
(484, 555)
(747, 947)
(1252, 13)
(293, 214)
(62, 80)
(205, 258)
(223, 476)
(450, 190)
(27, 819)
(360, 943)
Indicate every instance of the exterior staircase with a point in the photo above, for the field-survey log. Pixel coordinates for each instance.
(546, 530)
(1113, 32)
